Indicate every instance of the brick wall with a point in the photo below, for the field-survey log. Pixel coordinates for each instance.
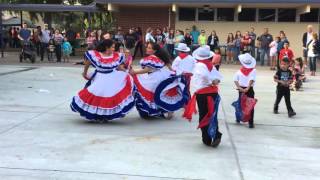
(143, 17)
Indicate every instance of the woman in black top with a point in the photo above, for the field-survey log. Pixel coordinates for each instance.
(213, 41)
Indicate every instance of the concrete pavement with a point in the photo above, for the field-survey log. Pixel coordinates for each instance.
(40, 138)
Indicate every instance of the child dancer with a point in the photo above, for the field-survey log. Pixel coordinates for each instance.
(245, 79)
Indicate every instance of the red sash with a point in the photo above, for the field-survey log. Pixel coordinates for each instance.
(246, 71)
(183, 55)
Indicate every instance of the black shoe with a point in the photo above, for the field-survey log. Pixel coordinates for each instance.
(291, 113)
(275, 111)
(251, 126)
(217, 140)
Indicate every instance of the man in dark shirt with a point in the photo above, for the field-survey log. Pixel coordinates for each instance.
(264, 41)
(130, 41)
(284, 78)
(253, 38)
(71, 36)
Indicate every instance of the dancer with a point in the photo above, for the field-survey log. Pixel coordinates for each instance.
(245, 79)
(205, 81)
(109, 93)
(159, 93)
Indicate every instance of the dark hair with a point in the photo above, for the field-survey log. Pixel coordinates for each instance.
(285, 60)
(230, 39)
(161, 53)
(104, 45)
(299, 59)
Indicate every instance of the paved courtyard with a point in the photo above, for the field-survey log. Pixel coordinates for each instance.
(41, 139)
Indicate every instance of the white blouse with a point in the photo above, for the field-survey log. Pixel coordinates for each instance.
(202, 77)
(185, 65)
(245, 80)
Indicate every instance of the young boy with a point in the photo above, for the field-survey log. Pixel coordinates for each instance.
(284, 78)
(286, 53)
(245, 79)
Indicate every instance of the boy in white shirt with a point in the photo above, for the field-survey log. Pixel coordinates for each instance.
(245, 79)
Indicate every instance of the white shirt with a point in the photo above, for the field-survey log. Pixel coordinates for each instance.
(245, 80)
(309, 37)
(149, 38)
(185, 65)
(202, 77)
(45, 37)
(310, 49)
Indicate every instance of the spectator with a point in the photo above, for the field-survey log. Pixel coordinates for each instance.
(188, 38)
(306, 38)
(213, 41)
(119, 37)
(230, 46)
(58, 40)
(51, 49)
(246, 43)
(91, 40)
(286, 53)
(253, 38)
(44, 40)
(139, 42)
(149, 37)
(66, 50)
(165, 32)
(71, 35)
(130, 41)
(170, 43)
(237, 46)
(202, 38)
(25, 33)
(283, 39)
(159, 37)
(273, 53)
(264, 41)
(313, 48)
(195, 35)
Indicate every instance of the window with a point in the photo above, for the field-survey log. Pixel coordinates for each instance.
(247, 14)
(187, 14)
(225, 14)
(205, 14)
(267, 14)
(287, 15)
(313, 16)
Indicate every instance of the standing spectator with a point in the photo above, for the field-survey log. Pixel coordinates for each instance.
(90, 40)
(36, 41)
(230, 46)
(306, 38)
(170, 43)
(159, 37)
(25, 33)
(237, 46)
(139, 43)
(66, 50)
(253, 38)
(15, 38)
(98, 37)
(313, 48)
(264, 41)
(202, 39)
(51, 49)
(188, 38)
(130, 41)
(119, 37)
(58, 39)
(213, 41)
(195, 35)
(106, 35)
(286, 53)
(149, 38)
(71, 35)
(273, 53)
(44, 40)
(283, 40)
(246, 43)
(10, 37)
(165, 32)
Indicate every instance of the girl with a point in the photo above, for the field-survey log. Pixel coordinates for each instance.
(51, 49)
(230, 47)
(213, 41)
(170, 42)
(216, 60)
(237, 46)
(109, 93)
(66, 50)
(245, 43)
(205, 81)
(155, 70)
(245, 79)
(273, 53)
(298, 74)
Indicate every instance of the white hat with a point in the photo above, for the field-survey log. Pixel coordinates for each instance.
(182, 47)
(247, 60)
(202, 53)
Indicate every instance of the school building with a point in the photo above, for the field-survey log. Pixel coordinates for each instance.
(223, 16)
